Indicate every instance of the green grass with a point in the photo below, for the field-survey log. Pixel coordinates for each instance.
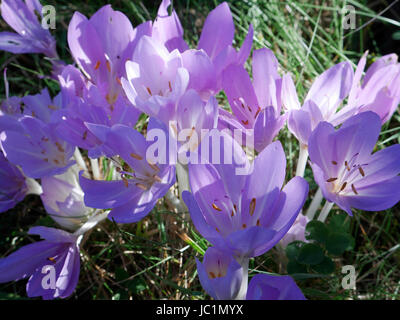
(155, 258)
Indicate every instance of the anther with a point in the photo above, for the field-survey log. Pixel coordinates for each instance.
(215, 207)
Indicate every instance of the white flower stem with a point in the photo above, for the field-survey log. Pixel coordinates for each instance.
(315, 203)
(177, 203)
(33, 187)
(183, 178)
(94, 163)
(79, 160)
(245, 280)
(302, 162)
(325, 211)
(92, 222)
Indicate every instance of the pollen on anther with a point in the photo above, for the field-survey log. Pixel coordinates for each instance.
(215, 207)
(252, 206)
(136, 156)
(334, 163)
(245, 122)
(212, 275)
(97, 66)
(361, 171)
(343, 186)
(149, 91)
(331, 179)
(354, 189)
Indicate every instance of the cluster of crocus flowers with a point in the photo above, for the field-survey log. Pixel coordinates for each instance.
(242, 206)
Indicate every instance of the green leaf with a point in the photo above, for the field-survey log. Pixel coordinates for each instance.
(295, 267)
(310, 254)
(293, 250)
(339, 223)
(317, 230)
(337, 243)
(325, 267)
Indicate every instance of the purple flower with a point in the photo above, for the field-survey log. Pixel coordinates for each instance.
(101, 46)
(346, 171)
(155, 80)
(379, 90)
(220, 275)
(41, 105)
(142, 179)
(267, 287)
(245, 215)
(63, 199)
(31, 37)
(321, 103)
(13, 185)
(296, 232)
(216, 40)
(167, 29)
(255, 105)
(37, 148)
(57, 255)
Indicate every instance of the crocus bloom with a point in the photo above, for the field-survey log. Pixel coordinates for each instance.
(143, 181)
(379, 90)
(31, 37)
(37, 148)
(245, 215)
(101, 45)
(321, 103)
(59, 251)
(41, 105)
(155, 80)
(63, 199)
(167, 29)
(216, 40)
(296, 232)
(346, 171)
(256, 105)
(220, 275)
(13, 185)
(268, 287)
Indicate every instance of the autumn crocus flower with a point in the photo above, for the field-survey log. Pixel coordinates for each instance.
(14, 186)
(347, 171)
(155, 79)
(37, 148)
(30, 36)
(142, 179)
(220, 274)
(245, 215)
(63, 199)
(101, 46)
(59, 251)
(256, 105)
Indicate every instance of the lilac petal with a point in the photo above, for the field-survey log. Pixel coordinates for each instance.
(168, 29)
(362, 132)
(201, 70)
(245, 50)
(269, 171)
(251, 242)
(26, 260)
(299, 123)
(376, 197)
(200, 223)
(290, 100)
(241, 95)
(331, 87)
(218, 31)
(267, 127)
(52, 235)
(106, 194)
(268, 287)
(390, 59)
(16, 44)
